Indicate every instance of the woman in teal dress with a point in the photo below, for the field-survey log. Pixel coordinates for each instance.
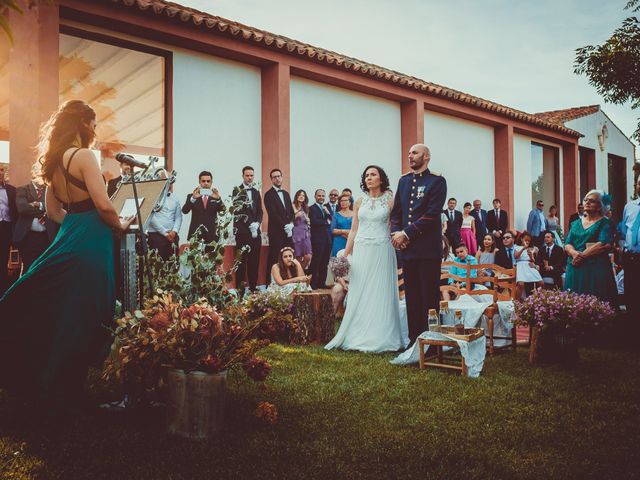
(341, 224)
(588, 245)
(54, 320)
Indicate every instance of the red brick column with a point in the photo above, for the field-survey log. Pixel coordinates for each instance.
(412, 128)
(33, 82)
(570, 180)
(503, 168)
(275, 123)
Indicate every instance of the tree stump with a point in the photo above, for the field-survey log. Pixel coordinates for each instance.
(315, 315)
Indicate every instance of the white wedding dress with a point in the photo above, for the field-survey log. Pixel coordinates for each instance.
(372, 318)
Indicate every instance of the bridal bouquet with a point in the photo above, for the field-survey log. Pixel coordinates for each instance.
(339, 266)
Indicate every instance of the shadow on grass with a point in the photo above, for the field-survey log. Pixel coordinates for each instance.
(352, 415)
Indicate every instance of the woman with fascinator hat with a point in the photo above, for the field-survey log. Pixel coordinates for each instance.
(588, 244)
(53, 319)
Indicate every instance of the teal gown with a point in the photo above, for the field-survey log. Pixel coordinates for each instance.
(54, 320)
(595, 275)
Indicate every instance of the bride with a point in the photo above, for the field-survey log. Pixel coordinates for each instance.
(371, 321)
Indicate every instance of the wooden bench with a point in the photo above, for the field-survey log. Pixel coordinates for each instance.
(501, 286)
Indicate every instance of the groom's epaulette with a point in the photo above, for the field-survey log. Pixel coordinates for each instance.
(408, 173)
(437, 174)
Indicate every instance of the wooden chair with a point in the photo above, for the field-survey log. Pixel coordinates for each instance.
(502, 286)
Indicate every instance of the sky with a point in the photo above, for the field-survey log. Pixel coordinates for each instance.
(518, 53)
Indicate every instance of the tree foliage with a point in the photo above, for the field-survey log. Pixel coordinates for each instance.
(613, 68)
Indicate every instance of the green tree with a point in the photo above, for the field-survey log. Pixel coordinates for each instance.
(613, 68)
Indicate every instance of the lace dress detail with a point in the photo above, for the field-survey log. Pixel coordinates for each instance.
(373, 218)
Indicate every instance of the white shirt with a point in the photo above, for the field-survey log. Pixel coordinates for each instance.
(280, 195)
(247, 188)
(168, 218)
(5, 213)
(629, 215)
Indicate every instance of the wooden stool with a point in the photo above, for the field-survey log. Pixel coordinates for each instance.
(439, 356)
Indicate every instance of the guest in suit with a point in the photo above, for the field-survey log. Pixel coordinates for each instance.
(551, 260)
(454, 222)
(505, 255)
(630, 240)
(578, 214)
(277, 201)
(320, 240)
(497, 221)
(164, 226)
(332, 205)
(246, 223)
(204, 204)
(8, 217)
(537, 223)
(112, 185)
(480, 216)
(33, 232)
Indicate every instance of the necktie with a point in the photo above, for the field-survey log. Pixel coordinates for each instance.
(451, 215)
(205, 199)
(634, 231)
(497, 215)
(510, 250)
(548, 252)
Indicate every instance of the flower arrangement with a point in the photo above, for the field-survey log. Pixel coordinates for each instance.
(273, 310)
(339, 266)
(565, 312)
(170, 334)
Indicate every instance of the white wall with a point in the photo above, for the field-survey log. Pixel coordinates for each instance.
(463, 152)
(216, 122)
(336, 133)
(617, 144)
(523, 179)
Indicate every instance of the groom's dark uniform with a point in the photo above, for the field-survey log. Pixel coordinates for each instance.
(416, 211)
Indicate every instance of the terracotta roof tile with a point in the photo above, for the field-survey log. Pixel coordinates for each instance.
(568, 114)
(294, 47)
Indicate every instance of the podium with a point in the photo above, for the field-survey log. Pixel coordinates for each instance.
(150, 191)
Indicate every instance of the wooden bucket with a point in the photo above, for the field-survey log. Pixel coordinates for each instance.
(196, 403)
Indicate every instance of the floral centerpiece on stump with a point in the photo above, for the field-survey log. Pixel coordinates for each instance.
(273, 310)
(169, 334)
(557, 319)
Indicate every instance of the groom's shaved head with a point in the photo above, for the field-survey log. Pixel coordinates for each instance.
(419, 156)
(421, 147)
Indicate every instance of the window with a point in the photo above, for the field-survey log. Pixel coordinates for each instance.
(126, 86)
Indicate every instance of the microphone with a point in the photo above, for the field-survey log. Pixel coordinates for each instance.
(127, 159)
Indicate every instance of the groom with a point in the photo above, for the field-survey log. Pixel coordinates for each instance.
(417, 232)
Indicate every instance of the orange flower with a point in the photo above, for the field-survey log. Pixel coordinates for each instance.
(160, 320)
(267, 412)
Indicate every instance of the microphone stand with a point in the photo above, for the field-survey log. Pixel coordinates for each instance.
(143, 244)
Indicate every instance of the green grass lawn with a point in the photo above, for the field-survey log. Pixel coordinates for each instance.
(351, 415)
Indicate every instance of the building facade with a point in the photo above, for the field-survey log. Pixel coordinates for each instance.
(206, 93)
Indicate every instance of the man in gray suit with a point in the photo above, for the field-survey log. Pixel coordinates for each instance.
(537, 224)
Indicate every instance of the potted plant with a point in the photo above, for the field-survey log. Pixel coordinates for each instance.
(557, 320)
(190, 348)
